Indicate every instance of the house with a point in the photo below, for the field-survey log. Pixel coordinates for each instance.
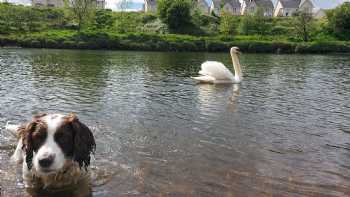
(228, 6)
(203, 6)
(306, 6)
(232, 7)
(150, 6)
(288, 7)
(48, 3)
(100, 4)
(215, 7)
(251, 6)
(319, 13)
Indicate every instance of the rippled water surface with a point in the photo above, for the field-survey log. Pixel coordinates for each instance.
(285, 131)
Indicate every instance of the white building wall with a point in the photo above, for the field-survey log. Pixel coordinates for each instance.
(306, 6)
(214, 9)
(203, 6)
(231, 10)
(150, 6)
(48, 3)
(278, 10)
(281, 11)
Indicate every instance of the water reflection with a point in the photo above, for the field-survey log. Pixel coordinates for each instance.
(81, 189)
(283, 131)
(77, 78)
(210, 96)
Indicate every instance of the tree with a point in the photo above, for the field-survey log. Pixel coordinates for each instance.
(339, 21)
(175, 13)
(254, 24)
(303, 25)
(228, 24)
(82, 10)
(6, 18)
(103, 19)
(57, 17)
(33, 19)
(21, 18)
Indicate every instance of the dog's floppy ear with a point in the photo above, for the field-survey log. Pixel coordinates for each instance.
(27, 141)
(84, 141)
(25, 133)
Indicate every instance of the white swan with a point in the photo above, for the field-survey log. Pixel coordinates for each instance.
(216, 72)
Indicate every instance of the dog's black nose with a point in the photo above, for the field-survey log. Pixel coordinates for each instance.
(47, 161)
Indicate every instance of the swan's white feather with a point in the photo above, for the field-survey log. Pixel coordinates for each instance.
(204, 79)
(216, 70)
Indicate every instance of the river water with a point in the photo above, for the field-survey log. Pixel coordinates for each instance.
(284, 131)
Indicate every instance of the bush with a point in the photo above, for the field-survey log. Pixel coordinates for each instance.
(228, 24)
(339, 21)
(326, 47)
(7, 41)
(280, 30)
(51, 43)
(303, 25)
(128, 22)
(68, 44)
(175, 13)
(19, 19)
(82, 45)
(216, 45)
(255, 24)
(167, 42)
(155, 27)
(103, 19)
(148, 18)
(35, 44)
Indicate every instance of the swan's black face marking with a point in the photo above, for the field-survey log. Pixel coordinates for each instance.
(235, 50)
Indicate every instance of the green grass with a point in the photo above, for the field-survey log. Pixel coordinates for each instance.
(166, 42)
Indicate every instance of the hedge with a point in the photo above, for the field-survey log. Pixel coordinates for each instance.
(165, 42)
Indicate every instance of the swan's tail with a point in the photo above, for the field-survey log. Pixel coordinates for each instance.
(204, 79)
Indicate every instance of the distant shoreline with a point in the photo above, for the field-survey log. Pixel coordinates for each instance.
(166, 42)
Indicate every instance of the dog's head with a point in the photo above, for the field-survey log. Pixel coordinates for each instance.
(49, 140)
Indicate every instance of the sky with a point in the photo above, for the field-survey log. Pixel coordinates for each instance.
(137, 4)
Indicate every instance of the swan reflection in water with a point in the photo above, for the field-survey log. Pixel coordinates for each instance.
(214, 98)
(233, 99)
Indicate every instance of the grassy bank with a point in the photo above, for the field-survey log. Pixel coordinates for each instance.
(35, 27)
(165, 42)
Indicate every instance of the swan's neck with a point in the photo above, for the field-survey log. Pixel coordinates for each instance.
(236, 66)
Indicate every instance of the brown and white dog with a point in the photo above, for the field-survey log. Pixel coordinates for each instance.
(55, 151)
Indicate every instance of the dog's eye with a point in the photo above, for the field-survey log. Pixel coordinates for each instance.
(64, 139)
(38, 139)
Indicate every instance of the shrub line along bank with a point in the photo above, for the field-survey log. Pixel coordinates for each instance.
(165, 42)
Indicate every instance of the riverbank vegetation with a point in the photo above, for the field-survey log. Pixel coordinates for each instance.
(170, 30)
